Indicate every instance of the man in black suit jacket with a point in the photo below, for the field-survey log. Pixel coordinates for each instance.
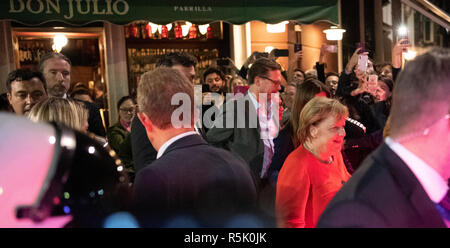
(56, 68)
(143, 151)
(189, 178)
(244, 136)
(404, 183)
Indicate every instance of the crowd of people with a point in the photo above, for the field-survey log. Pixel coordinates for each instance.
(266, 146)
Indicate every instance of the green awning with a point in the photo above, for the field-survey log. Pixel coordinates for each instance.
(80, 12)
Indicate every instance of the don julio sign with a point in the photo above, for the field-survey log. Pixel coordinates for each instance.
(69, 8)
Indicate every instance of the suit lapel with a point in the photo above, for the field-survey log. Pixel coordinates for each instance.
(410, 185)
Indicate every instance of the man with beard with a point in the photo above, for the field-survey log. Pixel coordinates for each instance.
(214, 80)
(25, 89)
(56, 68)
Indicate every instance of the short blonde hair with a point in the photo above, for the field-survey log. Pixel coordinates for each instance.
(155, 92)
(315, 111)
(68, 112)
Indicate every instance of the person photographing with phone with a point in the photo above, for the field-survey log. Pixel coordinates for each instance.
(354, 91)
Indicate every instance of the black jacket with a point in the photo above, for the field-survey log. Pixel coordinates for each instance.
(382, 193)
(197, 180)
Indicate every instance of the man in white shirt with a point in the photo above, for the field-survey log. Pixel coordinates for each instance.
(404, 183)
(254, 119)
(189, 178)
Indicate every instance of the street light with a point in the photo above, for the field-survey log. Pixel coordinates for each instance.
(334, 33)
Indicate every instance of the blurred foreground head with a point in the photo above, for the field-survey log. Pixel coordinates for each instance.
(54, 176)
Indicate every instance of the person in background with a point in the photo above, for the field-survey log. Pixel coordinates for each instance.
(214, 82)
(311, 73)
(352, 92)
(331, 80)
(412, 165)
(69, 112)
(25, 88)
(60, 110)
(81, 94)
(100, 94)
(56, 68)
(289, 99)
(299, 76)
(117, 133)
(315, 171)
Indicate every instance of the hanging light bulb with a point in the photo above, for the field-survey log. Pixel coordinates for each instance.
(203, 28)
(59, 41)
(153, 26)
(169, 26)
(185, 29)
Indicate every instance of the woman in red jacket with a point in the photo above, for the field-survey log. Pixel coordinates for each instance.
(315, 171)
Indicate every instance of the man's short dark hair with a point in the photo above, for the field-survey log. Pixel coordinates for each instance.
(300, 70)
(421, 91)
(261, 67)
(24, 74)
(331, 73)
(212, 70)
(51, 55)
(177, 58)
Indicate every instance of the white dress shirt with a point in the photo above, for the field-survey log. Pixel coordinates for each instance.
(268, 132)
(435, 186)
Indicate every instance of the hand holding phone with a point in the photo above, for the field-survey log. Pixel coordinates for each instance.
(372, 84)
(362, 62)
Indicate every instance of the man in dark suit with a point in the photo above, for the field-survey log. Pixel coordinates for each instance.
(143, 151)
(56, 68)
(404, 183)
(256, 119)
(189, 178)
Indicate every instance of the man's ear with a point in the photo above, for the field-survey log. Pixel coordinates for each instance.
(145, 121)
(257, 81)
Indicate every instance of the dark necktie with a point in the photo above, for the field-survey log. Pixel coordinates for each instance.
(444, 206)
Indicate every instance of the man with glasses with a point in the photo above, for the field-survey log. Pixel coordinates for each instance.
(255, 117)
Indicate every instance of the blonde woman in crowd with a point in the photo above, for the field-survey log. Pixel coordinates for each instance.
(68, 112)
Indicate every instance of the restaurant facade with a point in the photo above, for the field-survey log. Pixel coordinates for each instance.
(113, 42)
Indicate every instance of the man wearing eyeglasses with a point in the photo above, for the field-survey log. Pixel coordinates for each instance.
(255, 116)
